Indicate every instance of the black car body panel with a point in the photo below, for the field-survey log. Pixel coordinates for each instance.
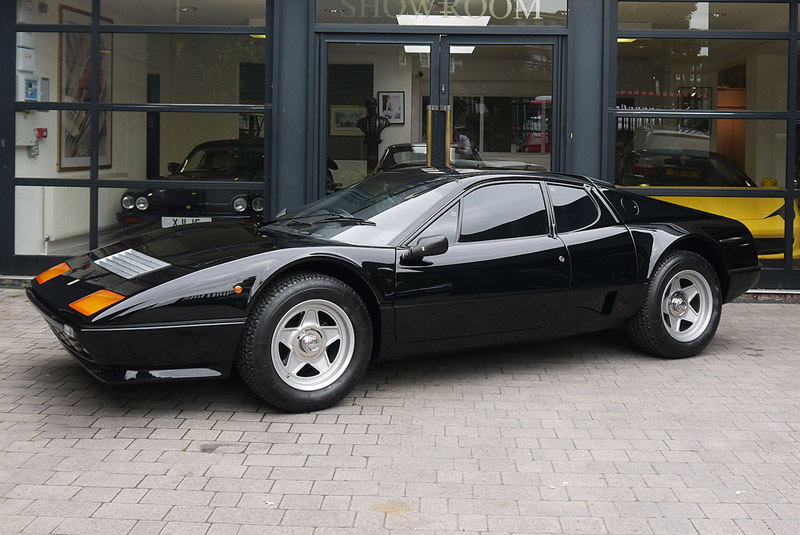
(185, 319)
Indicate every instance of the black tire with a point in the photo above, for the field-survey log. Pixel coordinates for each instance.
(682, 308)
(291, 335)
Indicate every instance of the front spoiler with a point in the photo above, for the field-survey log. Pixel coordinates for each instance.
(121, 374)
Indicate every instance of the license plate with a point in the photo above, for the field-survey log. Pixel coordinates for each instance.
(682, 172)
(167, 222)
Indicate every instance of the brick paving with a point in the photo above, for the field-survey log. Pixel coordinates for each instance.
(581, 436)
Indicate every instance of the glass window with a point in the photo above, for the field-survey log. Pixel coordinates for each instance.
(702, 74)
(574, 208)
(30, 12)
(125, 212)
(146, 145)
(188, 68)
(445, 225)
(703, 16)
(451, 13)
(503, 104)
(51, 220)
(726, 153)
(186, 13)
(504, 211)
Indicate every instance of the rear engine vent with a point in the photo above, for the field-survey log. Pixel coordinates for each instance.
(130, 264)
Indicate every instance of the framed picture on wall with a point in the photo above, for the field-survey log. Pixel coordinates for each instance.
(344, 119)
(74, 86)
(392, 105)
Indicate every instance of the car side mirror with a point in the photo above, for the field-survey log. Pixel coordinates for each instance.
(173, 168)
(430, 246)
(769, 182)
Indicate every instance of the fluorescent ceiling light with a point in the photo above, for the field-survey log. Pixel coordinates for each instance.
(441, 20)
(425, 49)
(626, 39)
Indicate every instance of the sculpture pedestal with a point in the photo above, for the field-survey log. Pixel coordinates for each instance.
(372, 154)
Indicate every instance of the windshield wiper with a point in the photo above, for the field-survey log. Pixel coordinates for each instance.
(338, 218)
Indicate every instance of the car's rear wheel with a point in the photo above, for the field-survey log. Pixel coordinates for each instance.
(307, 343)
(682, 310)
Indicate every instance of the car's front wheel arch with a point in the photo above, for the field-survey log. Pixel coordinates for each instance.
(337, 270)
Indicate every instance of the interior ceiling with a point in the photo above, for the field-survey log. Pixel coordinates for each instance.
(186, 12)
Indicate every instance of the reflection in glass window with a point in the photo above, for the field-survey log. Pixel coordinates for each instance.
(239, 13)
(504, 211)
(445, 225)
(574, 208)
(725, 153)
(703, 16)
(702, 74)
(188, 68)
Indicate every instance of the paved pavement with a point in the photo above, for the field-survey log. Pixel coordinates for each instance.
(582, 436)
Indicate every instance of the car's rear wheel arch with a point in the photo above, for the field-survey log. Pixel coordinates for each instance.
(710, 252)
(338, 270)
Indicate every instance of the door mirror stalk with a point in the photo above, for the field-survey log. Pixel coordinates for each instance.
(430, 246)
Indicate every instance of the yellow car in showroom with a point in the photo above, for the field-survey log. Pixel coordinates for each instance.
(667, 167)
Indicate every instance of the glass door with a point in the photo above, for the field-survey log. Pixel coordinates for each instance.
(501, 98)
(375, 100)
(464, 102)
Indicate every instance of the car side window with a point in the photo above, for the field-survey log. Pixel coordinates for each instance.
(502, 211)
(445, 225)
(574, 208)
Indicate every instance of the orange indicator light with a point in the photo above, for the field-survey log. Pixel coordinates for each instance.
(53, 272)
(91, 304)
(237, 290)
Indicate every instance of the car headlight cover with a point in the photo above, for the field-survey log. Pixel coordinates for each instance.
(53, 272)
(94, 303)
(128, 202)
(240, 204)
(142, 203)
(258, 204)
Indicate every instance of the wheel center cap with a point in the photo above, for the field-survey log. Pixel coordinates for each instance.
(678, 305)
(309, 343)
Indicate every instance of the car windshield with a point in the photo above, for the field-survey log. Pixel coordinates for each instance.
(226, 162)
(685, 168)
(371, 212)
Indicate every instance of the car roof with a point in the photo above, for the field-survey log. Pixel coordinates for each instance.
(471, 177)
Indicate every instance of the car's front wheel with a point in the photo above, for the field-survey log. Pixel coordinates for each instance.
(682, 310)
(307, 343)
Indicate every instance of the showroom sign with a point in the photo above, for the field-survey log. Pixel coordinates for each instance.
(495, 9)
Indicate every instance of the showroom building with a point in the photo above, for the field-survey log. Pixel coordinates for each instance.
(205, 110)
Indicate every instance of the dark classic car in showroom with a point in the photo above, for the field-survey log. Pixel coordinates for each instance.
(229, 160)
(405, 262)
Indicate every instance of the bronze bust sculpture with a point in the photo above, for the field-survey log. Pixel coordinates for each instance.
(373, 124)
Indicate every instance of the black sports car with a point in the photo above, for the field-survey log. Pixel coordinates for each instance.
(234, 160)
(403, 262)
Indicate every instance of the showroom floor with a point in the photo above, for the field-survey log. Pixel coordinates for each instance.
(582, 436)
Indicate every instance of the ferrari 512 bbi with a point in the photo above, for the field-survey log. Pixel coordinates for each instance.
(405, 262)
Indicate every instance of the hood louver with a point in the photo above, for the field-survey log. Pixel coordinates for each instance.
(130, 264)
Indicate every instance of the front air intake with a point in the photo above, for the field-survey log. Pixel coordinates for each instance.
(130, 264)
